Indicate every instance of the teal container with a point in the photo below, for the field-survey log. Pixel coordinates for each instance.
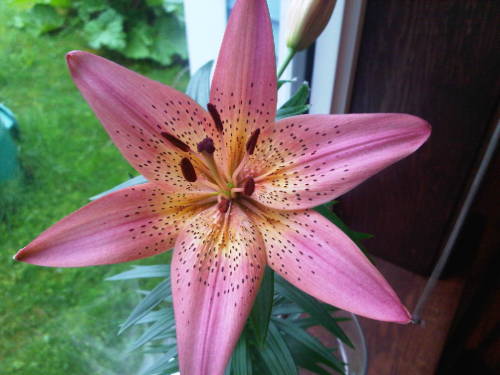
(9, 163)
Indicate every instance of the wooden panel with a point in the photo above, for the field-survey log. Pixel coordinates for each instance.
(395, 349)
(411, 349)
(473, 345)
(437, 60)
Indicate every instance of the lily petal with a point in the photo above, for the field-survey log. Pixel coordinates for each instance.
(128, 224)
(217, 267)
(318, 258)
(152, 124)
(244, 84)
(311, 159)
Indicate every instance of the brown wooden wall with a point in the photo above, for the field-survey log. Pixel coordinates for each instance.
(438, 59)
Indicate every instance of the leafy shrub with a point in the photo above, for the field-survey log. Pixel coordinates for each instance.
(137, 29)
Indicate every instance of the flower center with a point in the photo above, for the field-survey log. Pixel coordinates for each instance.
(225, 186)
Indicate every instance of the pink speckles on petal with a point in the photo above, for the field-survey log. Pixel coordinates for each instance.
(244, 84)
(317, 257)
(128, 224)
(216, 270)
(308, 160)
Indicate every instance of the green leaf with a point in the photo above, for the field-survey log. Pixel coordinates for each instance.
(41, 19)
(151, 317)
(132, 182)
(140, 39)
(287, 309)
(313, 307)
(169, 40)
(159, 328)
(300, 97)
(86, 9)
(106, 31)
(261, 311)
(310, 343)
(276, 355)
(241, 362)
(291, 111)
(297, 104)
(152, 299)
(311, 322)
(166, 364)
(307, 359)
(141, 272)
(199, 85)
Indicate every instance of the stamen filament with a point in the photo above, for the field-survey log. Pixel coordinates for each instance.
(206, 200)
(210, 185)
(239, 168)
(214, 171)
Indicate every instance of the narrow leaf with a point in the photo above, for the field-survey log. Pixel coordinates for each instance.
(291, 111)
(276, 355)
(300, 96)
(297, 104)
(313, 307)
(241, 363)
(133, 181)
(151, 317)
(261, 312)
(140, 272)
(287, 309)
(165, 364)
(311, 343)
(159, 328)
(152, 299)
(199, 85)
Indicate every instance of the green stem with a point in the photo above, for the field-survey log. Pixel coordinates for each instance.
(289, 57)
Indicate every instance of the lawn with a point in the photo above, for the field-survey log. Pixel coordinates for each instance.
(58, 321)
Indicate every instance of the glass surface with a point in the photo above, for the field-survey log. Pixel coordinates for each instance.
(356, 359)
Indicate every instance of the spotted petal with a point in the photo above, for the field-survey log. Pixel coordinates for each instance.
(311, 159)
(125, 225)
(318, 258)
(217, 267)
(244, 84)
(153, 125)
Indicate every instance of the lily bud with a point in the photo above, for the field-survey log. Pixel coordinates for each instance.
(306, 20)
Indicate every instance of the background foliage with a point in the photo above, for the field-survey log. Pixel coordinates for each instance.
(136, 29)
(58, 321)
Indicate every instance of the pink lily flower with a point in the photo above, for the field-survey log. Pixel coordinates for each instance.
(230, 190)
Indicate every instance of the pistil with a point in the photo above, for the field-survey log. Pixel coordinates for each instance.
(223, 205)
(206, 149)
(249, 186)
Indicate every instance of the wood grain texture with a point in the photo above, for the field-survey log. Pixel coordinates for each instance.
(473, 345)
(411, 349)
(438, 60)
(395, 349)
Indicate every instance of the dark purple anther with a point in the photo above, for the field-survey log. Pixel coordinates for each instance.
(252, 141)
(249, 187)
(215, 115)
(207, 145)
(176, 141)
(188, 170)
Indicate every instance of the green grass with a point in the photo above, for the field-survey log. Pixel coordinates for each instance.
(57, 321)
